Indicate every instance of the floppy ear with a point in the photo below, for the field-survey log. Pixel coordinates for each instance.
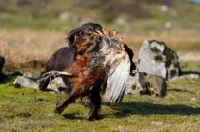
(71, 37)
(82, 31)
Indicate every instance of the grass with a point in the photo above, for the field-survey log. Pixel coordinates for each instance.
(25, 37)
(27, 109)
(126, 16)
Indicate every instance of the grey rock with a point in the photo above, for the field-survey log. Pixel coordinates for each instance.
(25, 82)
(56, 85)
(157, 59)
(188, 76)
(143, 84)
(134, 85)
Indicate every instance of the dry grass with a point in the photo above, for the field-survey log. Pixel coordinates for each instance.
(22, 46)
(19, 46)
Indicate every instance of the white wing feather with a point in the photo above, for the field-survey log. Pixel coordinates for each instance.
(116, 80)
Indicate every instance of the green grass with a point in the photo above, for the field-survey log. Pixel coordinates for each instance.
(139, 17)
(16, 21)
(27, 109)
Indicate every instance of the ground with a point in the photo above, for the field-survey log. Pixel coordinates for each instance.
(27, 109)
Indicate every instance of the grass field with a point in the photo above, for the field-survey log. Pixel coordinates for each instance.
(26, 39)
(27, 109)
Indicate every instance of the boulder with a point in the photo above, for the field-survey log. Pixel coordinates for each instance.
(134, 85)
(157, 59)
(56, 85)
(25, 82)
(188, 76)
(143, 83)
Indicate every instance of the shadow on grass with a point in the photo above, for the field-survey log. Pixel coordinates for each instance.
(146, 108)
(142, 108)
(190, 72)
(180, 90)
(72, 116)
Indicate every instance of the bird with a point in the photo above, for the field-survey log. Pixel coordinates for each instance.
(101, 60)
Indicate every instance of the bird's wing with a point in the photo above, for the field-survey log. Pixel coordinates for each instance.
(117, 79)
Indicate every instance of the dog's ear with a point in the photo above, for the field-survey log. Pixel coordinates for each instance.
(71, 37)
(82, 31)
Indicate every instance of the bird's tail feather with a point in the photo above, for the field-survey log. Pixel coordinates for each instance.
(117, 80)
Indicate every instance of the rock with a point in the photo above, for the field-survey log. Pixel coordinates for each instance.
(143, 83)
(25, 82)
(188, 76)
(157, 59)
(58, 86)
(134, 85)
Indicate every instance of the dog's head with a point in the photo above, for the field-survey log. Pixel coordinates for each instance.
(85, 32)
(87, 43)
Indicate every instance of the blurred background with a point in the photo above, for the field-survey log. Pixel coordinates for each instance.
(31, 30)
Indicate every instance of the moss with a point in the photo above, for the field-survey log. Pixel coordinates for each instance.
(159, 42)
(172, 73)
(169, 56)
(144, 74)
(139, 61)
(168, 60)
(147, 84)
(133, 87)
(156, 50)
(158, 58)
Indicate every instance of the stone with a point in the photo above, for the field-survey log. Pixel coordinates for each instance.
(188, 76)
(56, 85)
(25, 82)
(157, 59)
(134, 85)
(143, 83)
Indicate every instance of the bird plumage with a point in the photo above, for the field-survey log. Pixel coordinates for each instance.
(102, 58)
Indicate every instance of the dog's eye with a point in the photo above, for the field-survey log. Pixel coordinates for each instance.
(97, 38)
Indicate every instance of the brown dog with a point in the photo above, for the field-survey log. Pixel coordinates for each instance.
(84, 43)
